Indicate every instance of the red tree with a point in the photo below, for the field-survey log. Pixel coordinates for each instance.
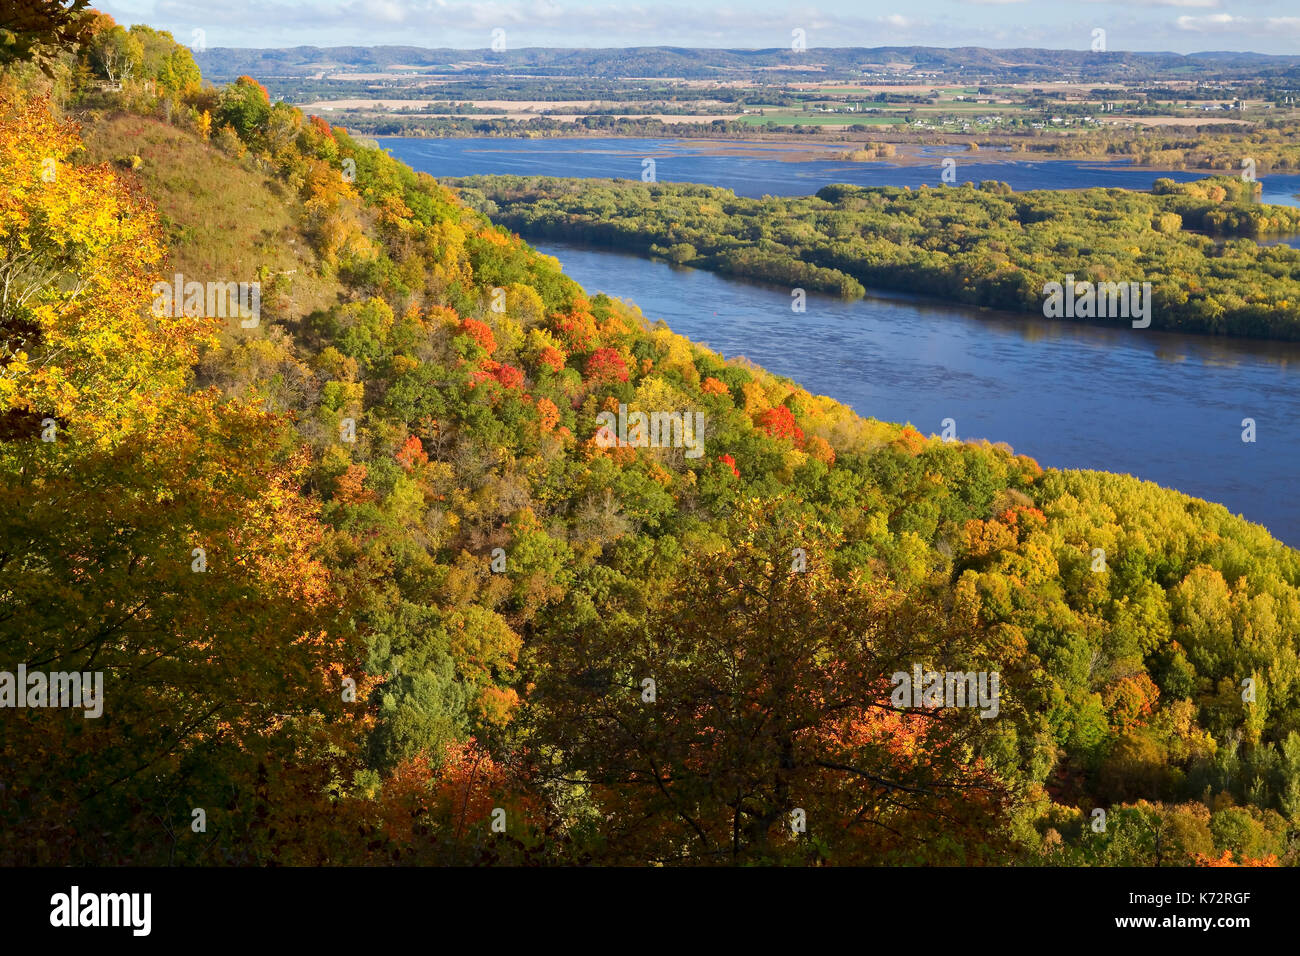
(606, 365)
(779, 423)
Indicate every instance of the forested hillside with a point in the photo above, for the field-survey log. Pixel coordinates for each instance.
(369, 583)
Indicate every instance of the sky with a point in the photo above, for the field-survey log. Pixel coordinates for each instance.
(1180, 26)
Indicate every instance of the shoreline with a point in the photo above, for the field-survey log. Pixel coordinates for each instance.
(790, 150)
(1256, 345)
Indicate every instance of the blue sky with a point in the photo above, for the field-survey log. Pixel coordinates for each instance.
(1182, 26)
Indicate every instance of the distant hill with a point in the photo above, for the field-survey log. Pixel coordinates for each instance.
(696, 63)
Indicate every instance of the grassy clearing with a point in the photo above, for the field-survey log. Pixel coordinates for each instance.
(224, 220)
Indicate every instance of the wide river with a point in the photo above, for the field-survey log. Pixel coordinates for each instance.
(756, 174)
(1164, 407)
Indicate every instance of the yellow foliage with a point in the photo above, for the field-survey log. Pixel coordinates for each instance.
(87, 354)
(755, 398)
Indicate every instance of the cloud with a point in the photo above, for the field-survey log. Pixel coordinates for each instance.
(1252, 26)
(559, 23)
(466, 24)
(1217, 20)
(1184, 4)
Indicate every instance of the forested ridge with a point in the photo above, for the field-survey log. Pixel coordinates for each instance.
(820, 62)
(985, 246)
(366, 585)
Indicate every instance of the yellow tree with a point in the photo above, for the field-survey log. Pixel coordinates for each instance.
(157, 542)
(36, 31)
(77, 254)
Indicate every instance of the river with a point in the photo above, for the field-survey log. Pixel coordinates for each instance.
(1158, 405)
(1161, 406)
(689, 161)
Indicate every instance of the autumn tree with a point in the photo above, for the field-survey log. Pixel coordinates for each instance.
(36, 31)
(76, 250)
(755, 701)
(153, 536)
(117, 54)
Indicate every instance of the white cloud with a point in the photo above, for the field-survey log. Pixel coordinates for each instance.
(1252, 26)
(559, 23)
(468, 24)
(1185, 4)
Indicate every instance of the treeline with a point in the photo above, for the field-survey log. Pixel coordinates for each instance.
(816, 64)
(366, 586)
(414, 86)
(982, 246)
(410, 124)
(1270, 146)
